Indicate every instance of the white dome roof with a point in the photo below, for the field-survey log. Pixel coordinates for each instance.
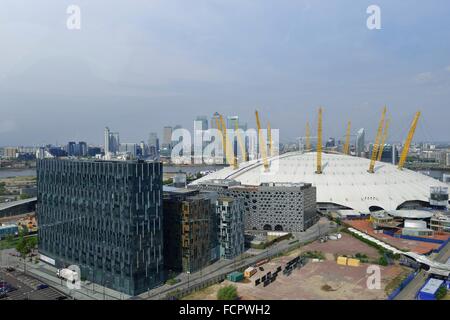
(344, 181)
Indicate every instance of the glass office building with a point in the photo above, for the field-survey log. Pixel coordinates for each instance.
(105, 217)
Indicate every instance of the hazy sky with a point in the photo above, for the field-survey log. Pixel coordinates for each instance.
(137, 65)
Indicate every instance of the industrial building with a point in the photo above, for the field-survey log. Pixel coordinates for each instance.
(190, 229)
(440, 222)
(105, 217)
(429, 290)
(279, 206)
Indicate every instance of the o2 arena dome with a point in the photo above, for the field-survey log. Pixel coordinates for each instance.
(344, 183)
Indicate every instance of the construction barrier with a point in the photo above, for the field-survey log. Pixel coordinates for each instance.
(392, 234)
(401, 286)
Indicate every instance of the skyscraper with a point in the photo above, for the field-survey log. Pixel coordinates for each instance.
(203, 122)
(214, 119)
(106, 140)
(167, 135)
(153, 145)
(232, 121)
(111, 141)
(166, 147)
(200, 126)
(360, 143)
(105, 217)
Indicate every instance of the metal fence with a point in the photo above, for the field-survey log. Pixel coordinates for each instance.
(402, 285)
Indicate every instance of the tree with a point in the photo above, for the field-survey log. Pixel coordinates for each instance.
(382, 261)
(441, 293)
(24, 196)
(25, 246)
(227, 293)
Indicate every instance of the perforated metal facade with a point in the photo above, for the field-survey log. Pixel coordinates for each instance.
(282, 206)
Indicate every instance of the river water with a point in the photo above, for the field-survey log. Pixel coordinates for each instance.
(7, 173)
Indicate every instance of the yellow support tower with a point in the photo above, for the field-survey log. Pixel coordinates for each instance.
(383, 141)
(308, 137)
(261, 142)
(408, 141)
(240, 141)
(377, 142)
(219, 127)
(269, 137)
(319, 143)
(228, 152)
(347, 139)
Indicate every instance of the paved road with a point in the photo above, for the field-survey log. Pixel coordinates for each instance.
(411, 290)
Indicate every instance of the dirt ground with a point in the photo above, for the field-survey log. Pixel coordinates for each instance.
(324, 280)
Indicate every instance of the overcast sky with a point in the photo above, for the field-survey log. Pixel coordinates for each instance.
(137, 65)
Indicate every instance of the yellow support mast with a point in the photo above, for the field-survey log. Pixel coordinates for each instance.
(240, 141)
(219, 127)
(269, 137)
(308, 137)
(261, 142)
(347, 138)
(377, 142)
(408, 141)
(383, 141)
(319, 143)
(228, 152)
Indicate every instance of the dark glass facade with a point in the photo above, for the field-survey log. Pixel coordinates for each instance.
(190, 230)
(105, 217)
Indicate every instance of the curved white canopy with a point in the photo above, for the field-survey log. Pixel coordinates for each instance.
(344, 181)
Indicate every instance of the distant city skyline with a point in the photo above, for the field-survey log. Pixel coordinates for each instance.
(138, 67)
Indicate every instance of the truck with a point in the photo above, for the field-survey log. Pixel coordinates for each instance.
(67, 274)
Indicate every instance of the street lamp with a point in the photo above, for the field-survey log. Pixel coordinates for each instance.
(188, 273)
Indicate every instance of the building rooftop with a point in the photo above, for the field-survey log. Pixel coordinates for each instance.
(432, 286)
(410, 214)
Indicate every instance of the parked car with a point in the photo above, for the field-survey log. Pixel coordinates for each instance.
(261, 269)
(6, 287)
(41, 286)
(10, 269)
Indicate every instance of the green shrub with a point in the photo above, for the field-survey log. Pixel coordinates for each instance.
(227, 293)
(441, 293)
(382, 261)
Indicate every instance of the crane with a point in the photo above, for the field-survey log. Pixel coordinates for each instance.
(308, 137)
(408, 141)
(377, 142)
(383, 141)
(261, 142)
(240, 141)
(319, 143)
(228, 152)
(269, 137)
(347, 139)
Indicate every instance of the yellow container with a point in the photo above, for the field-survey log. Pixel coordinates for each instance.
(353, 262)
(342, 261)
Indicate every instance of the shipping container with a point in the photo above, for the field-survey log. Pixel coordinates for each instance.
(235, 276)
